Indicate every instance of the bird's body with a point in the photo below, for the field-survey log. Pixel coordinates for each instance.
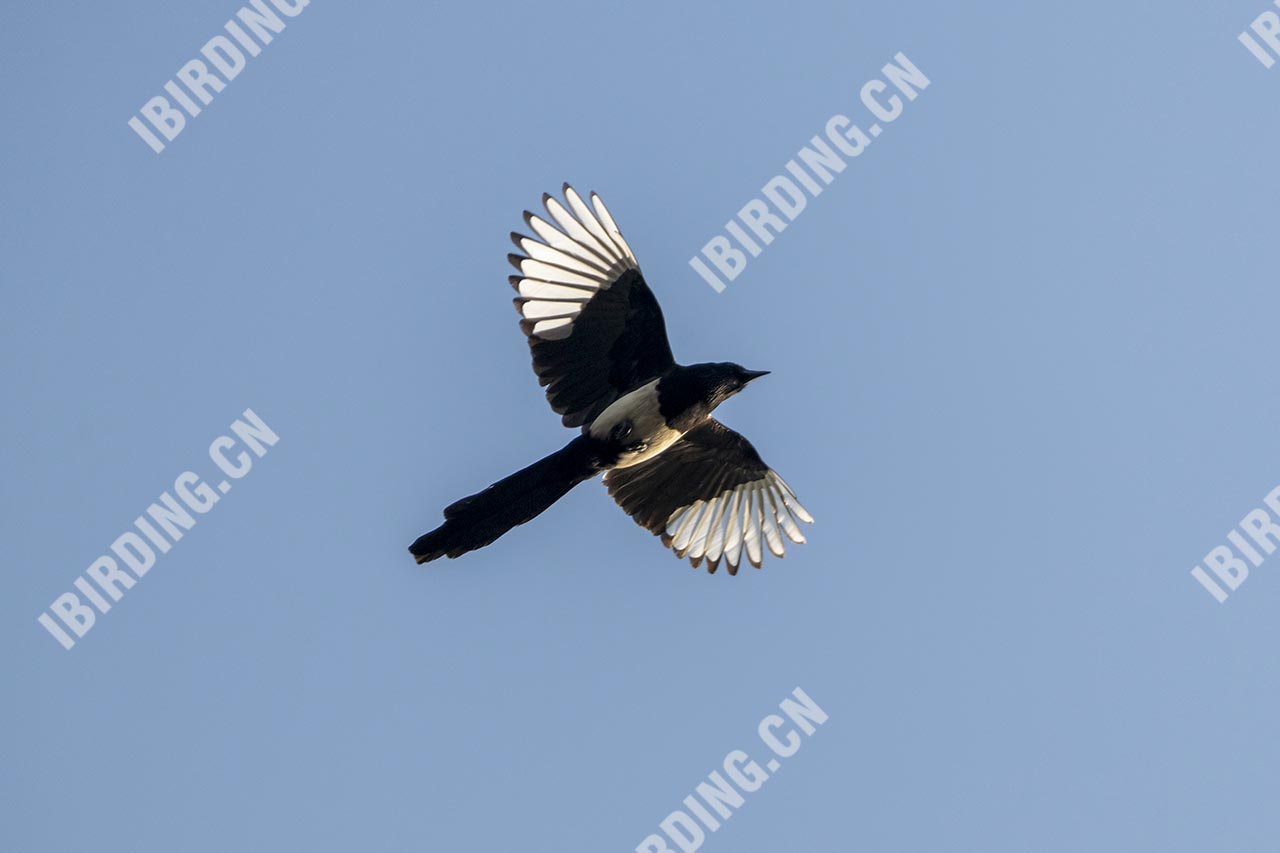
(599, 344)
(634, 428)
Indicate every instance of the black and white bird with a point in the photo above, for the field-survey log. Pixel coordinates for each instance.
(600, 348)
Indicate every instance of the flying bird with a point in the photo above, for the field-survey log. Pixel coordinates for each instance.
(599, 347)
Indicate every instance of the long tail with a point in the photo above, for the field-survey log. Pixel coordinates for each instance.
(478, 520)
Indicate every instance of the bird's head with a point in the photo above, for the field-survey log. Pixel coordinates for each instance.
(729, 378)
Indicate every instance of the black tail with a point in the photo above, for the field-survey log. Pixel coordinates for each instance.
(476, 521)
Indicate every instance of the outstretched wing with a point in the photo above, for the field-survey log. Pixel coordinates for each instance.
(710, 496)
(595, 330)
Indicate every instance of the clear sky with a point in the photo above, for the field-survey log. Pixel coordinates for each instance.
(1024, 359)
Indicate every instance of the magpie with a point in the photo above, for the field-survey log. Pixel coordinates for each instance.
(599, 346)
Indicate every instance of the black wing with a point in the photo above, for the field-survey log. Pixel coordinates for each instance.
(595, 330)
(710, 495)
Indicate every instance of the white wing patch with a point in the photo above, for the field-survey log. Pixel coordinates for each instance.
(750, 517)
(569, 262)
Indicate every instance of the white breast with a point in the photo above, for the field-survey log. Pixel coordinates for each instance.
(647, 425)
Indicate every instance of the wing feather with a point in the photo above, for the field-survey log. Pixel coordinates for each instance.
(595, 329)
(711, 498)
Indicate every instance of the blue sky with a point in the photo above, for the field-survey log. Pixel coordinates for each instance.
(1022, 353)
